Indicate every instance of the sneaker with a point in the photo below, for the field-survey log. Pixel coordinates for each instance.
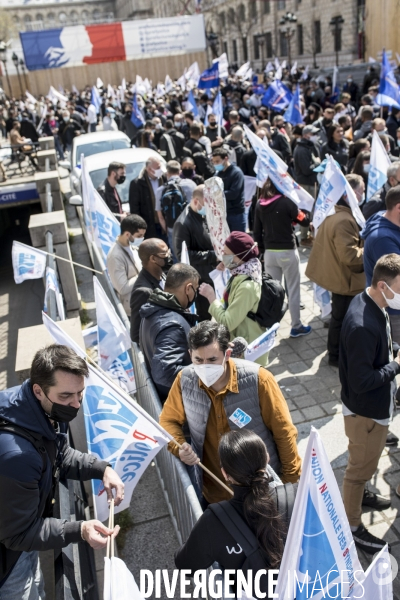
(391, 439)
(375, 501)
(303, 330)
(308, 243)
(368, 542)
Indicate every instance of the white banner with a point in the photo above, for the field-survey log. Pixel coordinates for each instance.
(264, 343)
(379, 164)
(28, 262)
(214, 200)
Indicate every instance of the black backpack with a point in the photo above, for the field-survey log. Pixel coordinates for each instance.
(272, 306)
(173, 202)
(243, 535)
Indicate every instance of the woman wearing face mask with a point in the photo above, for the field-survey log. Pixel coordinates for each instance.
(362, 165)
(361, 145)
(337, 146)
(273, 231)
(243, 291)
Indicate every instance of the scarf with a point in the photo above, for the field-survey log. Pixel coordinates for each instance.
(266, 201)
(251, 268)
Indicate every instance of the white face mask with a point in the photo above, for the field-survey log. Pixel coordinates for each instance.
(158, 173)
(314, 139)
(136, 241)
(392, 302)
(209, 374)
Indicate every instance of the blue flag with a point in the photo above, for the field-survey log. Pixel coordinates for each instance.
(193, 104)
(217, 108)
(388, 88)
(293, 112)
(95, 98)
(137, 117)
(277, 96)
(209, 78)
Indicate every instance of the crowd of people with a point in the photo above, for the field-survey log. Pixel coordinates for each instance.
(193, 338)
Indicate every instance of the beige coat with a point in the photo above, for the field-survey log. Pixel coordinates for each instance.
(336, 259)
(123, 265)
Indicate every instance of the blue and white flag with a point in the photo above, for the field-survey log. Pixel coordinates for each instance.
(185, 260)
(270, 165)
(28, 262)
(114, 341)
(220, 281)
(209, 78)
(335, 88)
(218, 109)
(263, 344)
(379, 164)
(378, 583)
(223, 66)
(305, 74)
(388, 88)
(96, 99)
(192, 106)
(277, 96)
(118, 430)
(168, 84)
(52, 284)
(320, 548)
(243, 70)
(293, 111)
(323, 299)
(136, 117)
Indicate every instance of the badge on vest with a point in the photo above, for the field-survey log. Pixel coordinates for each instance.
(240, 418)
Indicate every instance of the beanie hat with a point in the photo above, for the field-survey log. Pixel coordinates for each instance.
(242, 245)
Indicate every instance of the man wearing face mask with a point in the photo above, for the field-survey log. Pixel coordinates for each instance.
(377, 202)
(30, 446)
(368, 364)
(165, 324)
(123, 262)
(171, 143)
(233, 179)
(216, 138)
(142, 195)
(216, 394)
(116, 174)
(158, 130)
(323, 124)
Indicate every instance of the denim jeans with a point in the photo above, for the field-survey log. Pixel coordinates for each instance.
(25, 581)
(237, 222)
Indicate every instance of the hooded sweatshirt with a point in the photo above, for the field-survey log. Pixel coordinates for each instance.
(381, 236)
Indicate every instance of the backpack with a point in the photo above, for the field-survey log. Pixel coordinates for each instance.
(173, 202)
(272, 305)
(243, 535)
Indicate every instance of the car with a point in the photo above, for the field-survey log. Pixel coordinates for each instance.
(133, 158)
(90, 144)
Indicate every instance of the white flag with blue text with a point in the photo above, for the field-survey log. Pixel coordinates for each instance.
(379, 163)
(323, 299)
(264, 343)
(320, 548)
(28, 262)
(52, 284)
(114, 341)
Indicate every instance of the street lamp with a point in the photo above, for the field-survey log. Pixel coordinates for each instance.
(15, 60)
(213, 43)
(3, 58)
(336, 25)
(22, 65)
(288, 19)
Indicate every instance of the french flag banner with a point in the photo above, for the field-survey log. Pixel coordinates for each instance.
(110, 42)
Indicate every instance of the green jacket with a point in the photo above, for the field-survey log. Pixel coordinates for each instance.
(244, 297)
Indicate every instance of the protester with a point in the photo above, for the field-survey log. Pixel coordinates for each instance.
(172, 143)
(361, 145)
(197, 151)
(377, 202)
(165, 324)
(337, 146)
(142, 195)
(367, 114)
(336, 263)
(274, 233)
(217, 386)
(191, 228)
(233, 180)
(216, 135)
(235, 146)
(362, 166)
(188, 171)
(30, 415)
(367, 369)
(123, 263)
(116, 175)
(280, 140)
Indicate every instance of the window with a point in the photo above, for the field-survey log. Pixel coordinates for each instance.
(256, 48)
(235, 52)
(51, 19)
(283, 43)
(74, 17)
(241, 13)
(266, 7)
(96, 15)
(225, 44)
(244, 48)
(281, 4)
(85, 16)
(231, 16)
(317, 37)
(222, 20)
(300, 45)
(39, 17)
(268, 44)
(62, 17)
(253, 9)
(337, 38)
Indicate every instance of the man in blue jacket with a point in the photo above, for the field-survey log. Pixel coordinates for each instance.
(31, 447)
(233, 179)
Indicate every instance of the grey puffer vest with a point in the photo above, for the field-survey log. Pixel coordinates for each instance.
(197, 407)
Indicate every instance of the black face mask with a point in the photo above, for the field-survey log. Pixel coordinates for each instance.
(168, 262)
(121, 179)
(191, 302)
(187, 173)
(62, 413)
(212, 125)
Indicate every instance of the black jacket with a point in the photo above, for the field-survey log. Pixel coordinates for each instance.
(163, 335)
(376, 203)
(212, 133)
(142, 201)
(304, 156)
(340, 152)
(280, 142)
(233, 179)
(392, 125)
(273, 229)
(239, 150)
(142, 288)
(108, 194)
(204, 167)
(248, 161)
(365, 372)
(177, 141)
(26, 480)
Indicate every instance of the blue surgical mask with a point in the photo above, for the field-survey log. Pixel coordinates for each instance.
(366, 168)
(202, 211)
(219, 167)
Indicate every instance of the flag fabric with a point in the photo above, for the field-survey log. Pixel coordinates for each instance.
(269, 67)
(114, 341)
(52, 284)
(192, 103)
(270, 165)
(209, 78)
(28, 262)
(293, 70)
(243, 70)
(185, 260)
(99, 83)
(168, 84)
(220, 281)
(323, 299)
(379, 163)
(95, 98)
(214, 200)
(137, 117)
(140, 86)
(54, 96)
(378, 583)
(118, 430)
(182, 82)
(293, 111)
(278, 73)
(209, 111)
(30, 97)
(119, 583)
(264, 343)
(305, 74)
(193, 75)
(223, 65)
(218, 109)
(110, 91)
(160, 91)
(277, 63)
(335, 87)
(388, 88)
(319, 546)
(277, 96)
(75, 89)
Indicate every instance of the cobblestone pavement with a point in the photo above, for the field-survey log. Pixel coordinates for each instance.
(312, 390)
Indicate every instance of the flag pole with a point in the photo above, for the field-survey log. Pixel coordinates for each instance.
(72, 262)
